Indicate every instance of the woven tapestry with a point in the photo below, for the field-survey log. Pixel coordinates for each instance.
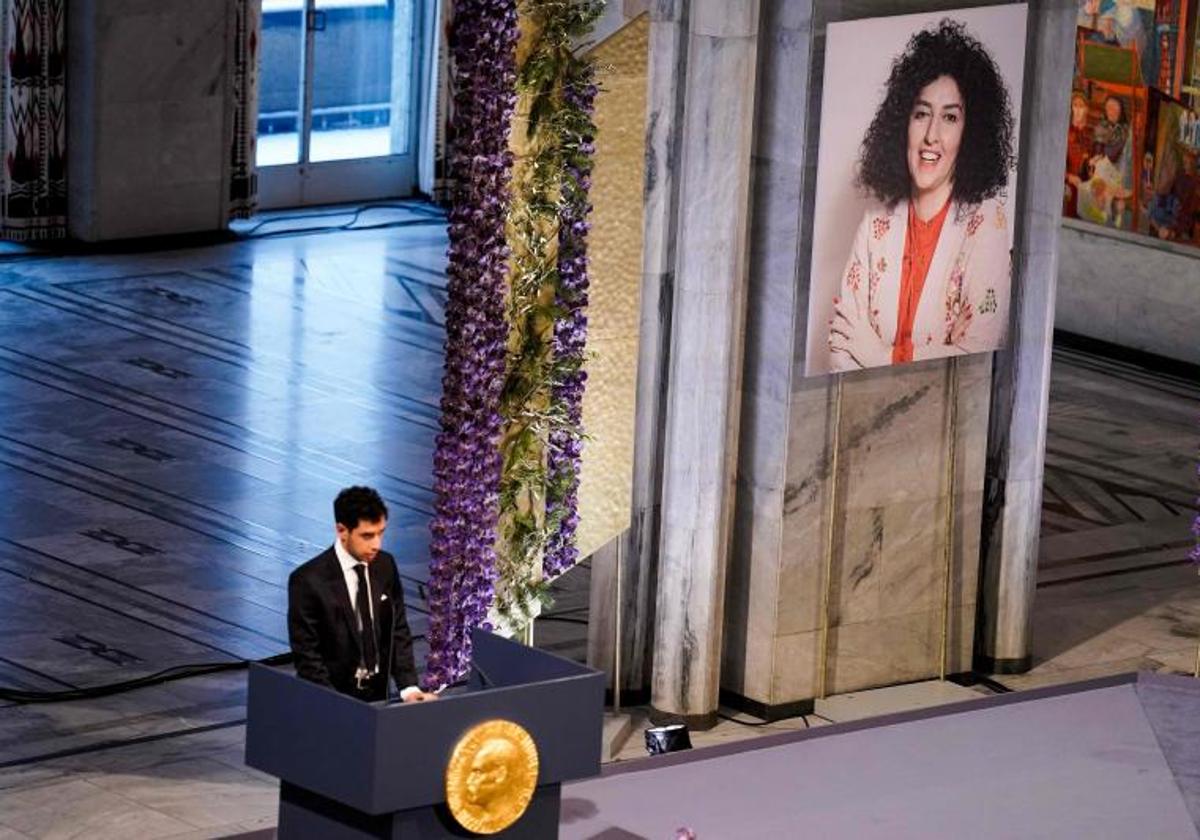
(33, 204)
(243, 176)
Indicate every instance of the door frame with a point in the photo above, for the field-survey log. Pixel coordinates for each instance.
(355, 179)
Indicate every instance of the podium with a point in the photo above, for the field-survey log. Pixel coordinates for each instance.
(351, 770)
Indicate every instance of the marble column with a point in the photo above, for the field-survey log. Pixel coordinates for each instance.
(774, 331)
(639, 550)
(148, 151)
(1021, 379)
(707, 331)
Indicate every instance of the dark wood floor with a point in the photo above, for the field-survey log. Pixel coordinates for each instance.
(1120, 481)
(171, 441)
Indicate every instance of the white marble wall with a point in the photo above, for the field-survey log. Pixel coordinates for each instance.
(147, 117)
(1129, 290)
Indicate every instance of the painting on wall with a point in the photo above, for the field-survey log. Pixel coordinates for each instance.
(1103, 144)
(1173, 144)
(1195, 59)
(1130, 159)
(1171, 21)
(916, 181)
(1125, 23)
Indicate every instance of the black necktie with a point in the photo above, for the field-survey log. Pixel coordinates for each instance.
(362, 606)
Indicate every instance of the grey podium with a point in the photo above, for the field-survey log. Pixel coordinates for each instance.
(351, 770)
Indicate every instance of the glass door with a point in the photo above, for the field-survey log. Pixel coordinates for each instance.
(338, 100)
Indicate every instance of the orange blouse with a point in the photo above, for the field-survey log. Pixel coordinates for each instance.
(920, 242)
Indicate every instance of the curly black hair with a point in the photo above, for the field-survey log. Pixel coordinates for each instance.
(358, 504)
(985, 156)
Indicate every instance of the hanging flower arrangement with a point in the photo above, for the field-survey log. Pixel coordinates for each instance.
(466, 466)
(570, 330)
(506, 464)
(542, 405)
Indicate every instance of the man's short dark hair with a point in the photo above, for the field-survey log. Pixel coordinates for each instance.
(985, 155)
(358, 504)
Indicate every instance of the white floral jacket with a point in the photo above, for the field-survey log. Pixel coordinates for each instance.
(964, 302)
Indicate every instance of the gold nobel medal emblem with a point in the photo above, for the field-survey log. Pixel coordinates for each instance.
(491, 776)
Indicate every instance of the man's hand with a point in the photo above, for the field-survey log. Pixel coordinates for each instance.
(417, 696)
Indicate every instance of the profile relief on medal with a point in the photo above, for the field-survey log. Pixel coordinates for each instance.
(492, 777)
(495, 771)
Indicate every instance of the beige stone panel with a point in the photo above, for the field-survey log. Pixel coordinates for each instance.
(974, 402)
(893, 432)
(887, 562)
(795, 676)
(857, 566)
(805, 509)
(801, 572)
(615, 254)
(896, 649)
(870, 654)
(912, 571)
(890, 525)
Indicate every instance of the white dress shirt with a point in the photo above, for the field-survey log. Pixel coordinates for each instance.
(347, 562)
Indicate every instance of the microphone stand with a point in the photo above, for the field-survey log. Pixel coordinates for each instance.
(483, 676)
(391, 642)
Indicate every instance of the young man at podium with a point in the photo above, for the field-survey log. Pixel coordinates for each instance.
(346, 621)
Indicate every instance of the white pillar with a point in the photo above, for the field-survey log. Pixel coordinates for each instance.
(1021, 381)
(704, 379)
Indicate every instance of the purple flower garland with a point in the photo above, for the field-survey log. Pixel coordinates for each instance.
(467, 461)
(570, 328)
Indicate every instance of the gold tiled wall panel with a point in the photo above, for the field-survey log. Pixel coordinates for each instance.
(615, 251)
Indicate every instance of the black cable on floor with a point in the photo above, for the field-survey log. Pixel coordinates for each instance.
(430, 216)
(178, 672)
(753, 725)
(969, 679)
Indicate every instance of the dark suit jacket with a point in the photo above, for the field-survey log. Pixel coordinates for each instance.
(322, 629)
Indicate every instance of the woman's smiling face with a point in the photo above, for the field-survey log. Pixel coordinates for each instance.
(935, 130)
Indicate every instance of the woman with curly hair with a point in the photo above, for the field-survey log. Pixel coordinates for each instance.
(929, 272)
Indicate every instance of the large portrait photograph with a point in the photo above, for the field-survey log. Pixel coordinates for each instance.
(916, 184)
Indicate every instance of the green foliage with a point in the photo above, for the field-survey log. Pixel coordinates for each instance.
(528, 410)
